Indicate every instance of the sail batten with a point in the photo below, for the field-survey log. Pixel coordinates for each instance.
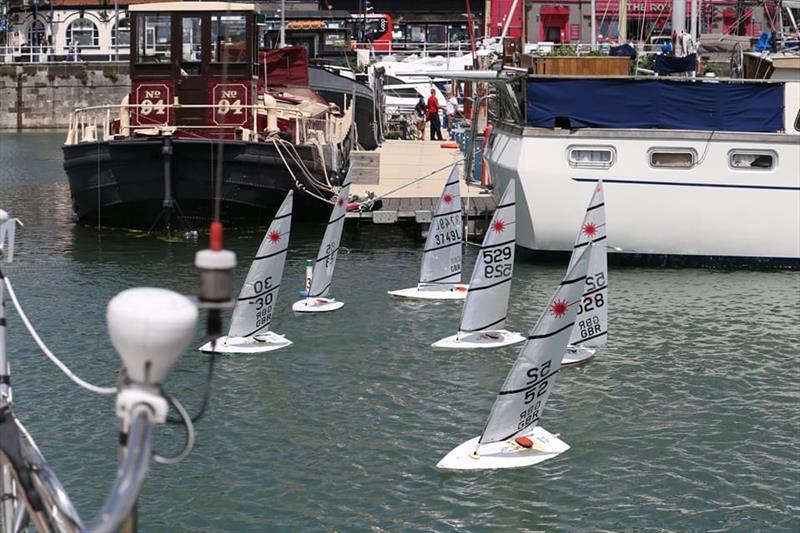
(256, 300)
(441, 256)
(486, 306)
(325, 263)
(522, 398)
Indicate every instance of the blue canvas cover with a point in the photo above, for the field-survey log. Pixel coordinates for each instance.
(666, 64)
(627, 103)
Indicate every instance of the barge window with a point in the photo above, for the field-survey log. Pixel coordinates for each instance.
(752, 160)
(154, 38)
(192, 49)
(591, 156)
(671, 158)
(83, 32)
(228, 38)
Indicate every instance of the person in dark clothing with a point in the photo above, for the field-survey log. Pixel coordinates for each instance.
(420, 112)
(433, 116)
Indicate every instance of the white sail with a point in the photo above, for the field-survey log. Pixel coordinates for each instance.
(329, 249)
(254, 307)
(591, 325)
(441, 258)
(490, 287)
(523, 396)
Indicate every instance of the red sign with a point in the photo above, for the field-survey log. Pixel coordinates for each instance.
(574, 32)
(152, 101)
(230, 100)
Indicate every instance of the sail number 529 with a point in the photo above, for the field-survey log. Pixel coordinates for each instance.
(497, 262)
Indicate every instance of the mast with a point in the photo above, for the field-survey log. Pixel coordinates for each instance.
(283, 24)
(623, 21)
(678, 16)
(593, 25)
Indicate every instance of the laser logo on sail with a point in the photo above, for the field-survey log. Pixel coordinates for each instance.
(559, 308)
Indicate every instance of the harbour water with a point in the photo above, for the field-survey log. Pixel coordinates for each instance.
(687, 421)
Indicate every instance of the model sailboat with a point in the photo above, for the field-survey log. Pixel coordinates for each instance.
(252, 316)
(512, 437)
(317, 298)
(591, 325)
(486, 306)
(440, 276)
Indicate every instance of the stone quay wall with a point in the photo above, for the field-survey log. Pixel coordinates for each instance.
(37, 96)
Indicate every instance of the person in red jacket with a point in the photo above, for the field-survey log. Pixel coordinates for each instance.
(433, 116)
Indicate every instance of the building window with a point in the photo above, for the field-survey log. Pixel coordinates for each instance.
(36, 34)
(228, 41)
(123, 29)
(83, 32)
(154, 36)
(752, 159)
(672, 158)
(591, 156)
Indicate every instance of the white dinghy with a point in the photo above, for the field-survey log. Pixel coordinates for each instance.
(511, 437)
(317, 298)
(591, 326)
(440, 276)
(252, 316)
(486, 306)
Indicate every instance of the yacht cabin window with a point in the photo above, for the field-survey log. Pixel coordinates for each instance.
(672, 158)
(591, 156)
(752, 159)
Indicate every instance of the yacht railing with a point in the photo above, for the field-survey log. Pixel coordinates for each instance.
(420, 49)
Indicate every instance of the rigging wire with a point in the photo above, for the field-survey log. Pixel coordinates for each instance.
(426, 176)
(42, 346)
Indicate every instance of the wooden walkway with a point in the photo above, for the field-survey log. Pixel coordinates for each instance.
(392, 172)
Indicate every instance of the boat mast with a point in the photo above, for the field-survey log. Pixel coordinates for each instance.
(283, 24)
(679, 15)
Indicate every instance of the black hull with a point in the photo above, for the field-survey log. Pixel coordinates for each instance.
(122, 183)
(334, 88)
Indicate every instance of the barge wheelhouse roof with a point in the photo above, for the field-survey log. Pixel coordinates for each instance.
(160, 7)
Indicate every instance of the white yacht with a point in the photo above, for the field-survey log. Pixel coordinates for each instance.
(696, 171)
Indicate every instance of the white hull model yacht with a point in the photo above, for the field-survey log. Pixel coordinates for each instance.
(486, 306)
(317, 298)
(512, 437)
(440, 275)
(591, 325)
(249, 331)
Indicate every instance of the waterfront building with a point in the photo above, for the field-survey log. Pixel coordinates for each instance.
(648, 21)
(65, 30)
